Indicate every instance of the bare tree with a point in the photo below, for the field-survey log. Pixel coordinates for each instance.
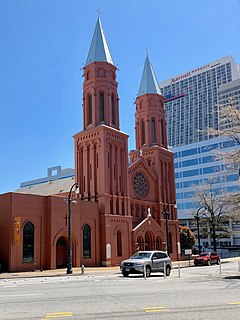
(229, 127)
(217, 211)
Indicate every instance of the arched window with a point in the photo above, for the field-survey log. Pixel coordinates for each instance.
(143, 132)
(153, 131)
(101, 106)
(119, 243)
(140, 243)
(158, 243)
(28, 242)
(113, 109)
(86, 241)
(90, 108)
(61, 242)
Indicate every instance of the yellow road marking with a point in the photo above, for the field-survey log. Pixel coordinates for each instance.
(155, 309)
(58, 315)
(237, 303)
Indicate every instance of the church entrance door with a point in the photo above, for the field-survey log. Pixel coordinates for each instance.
(149, 241)
(61, 253)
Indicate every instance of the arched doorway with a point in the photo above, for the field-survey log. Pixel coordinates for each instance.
(140, 243)
(61, 253)
(149, 241)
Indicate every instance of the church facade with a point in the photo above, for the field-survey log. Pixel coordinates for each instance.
(121, 206)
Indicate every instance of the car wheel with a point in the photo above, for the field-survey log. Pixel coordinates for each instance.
(125, 273)
(148, 271)
(218, 261)
(208, 262)
(168, 271)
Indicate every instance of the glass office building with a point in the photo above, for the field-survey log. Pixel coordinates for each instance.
(192, 103)
(195, 165)
(191, 100)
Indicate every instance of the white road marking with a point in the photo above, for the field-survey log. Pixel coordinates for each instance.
(21, 295)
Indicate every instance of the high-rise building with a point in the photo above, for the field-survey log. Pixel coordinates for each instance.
(191, 100)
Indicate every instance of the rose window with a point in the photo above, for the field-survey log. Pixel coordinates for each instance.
(140, 185)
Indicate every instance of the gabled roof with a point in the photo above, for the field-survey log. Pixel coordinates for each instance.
(141, 163)
(146, 223)
(99, 50)
(149, 83)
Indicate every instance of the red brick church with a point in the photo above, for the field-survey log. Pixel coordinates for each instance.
(121, 207)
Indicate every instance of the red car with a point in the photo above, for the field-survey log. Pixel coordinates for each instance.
(207, 258)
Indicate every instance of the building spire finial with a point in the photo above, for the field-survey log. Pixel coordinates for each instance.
(147, 51)
(98, 12)
(99, 50)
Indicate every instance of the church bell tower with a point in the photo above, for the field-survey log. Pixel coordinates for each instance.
(151, 140)
(101, 150)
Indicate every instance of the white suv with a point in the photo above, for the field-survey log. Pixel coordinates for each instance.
(151, 261)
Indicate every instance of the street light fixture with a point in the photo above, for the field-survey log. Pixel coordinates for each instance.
(69, 246)
(166, 215)
(198, 230)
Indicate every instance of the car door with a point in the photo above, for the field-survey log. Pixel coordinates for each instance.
(155, 262)
(163, 258)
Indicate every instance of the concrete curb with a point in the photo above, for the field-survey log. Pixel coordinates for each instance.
(91, 271)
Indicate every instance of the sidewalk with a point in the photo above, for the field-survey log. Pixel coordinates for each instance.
(90, 270)
(60, 272)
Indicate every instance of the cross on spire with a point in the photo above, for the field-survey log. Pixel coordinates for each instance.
(98, 12)
(147, 50)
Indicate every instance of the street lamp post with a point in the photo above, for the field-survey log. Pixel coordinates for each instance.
(198, 230)
(166, 217)
(69, 245)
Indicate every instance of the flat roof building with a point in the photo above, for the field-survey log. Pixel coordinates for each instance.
(191, 100)
(57, 181)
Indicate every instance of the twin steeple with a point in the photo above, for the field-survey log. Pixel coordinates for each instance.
(99, 50)
(150, 113)
(100, 96)
(149, 83)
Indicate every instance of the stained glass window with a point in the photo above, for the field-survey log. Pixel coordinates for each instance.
(87, 241)
(28, 242)
(140, 185)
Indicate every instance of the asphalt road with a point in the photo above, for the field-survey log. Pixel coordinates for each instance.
(200, 292)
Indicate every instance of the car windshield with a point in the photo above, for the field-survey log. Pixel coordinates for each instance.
(204, 254)
(141, 255)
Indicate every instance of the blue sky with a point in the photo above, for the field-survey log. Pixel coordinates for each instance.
(44, 44)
